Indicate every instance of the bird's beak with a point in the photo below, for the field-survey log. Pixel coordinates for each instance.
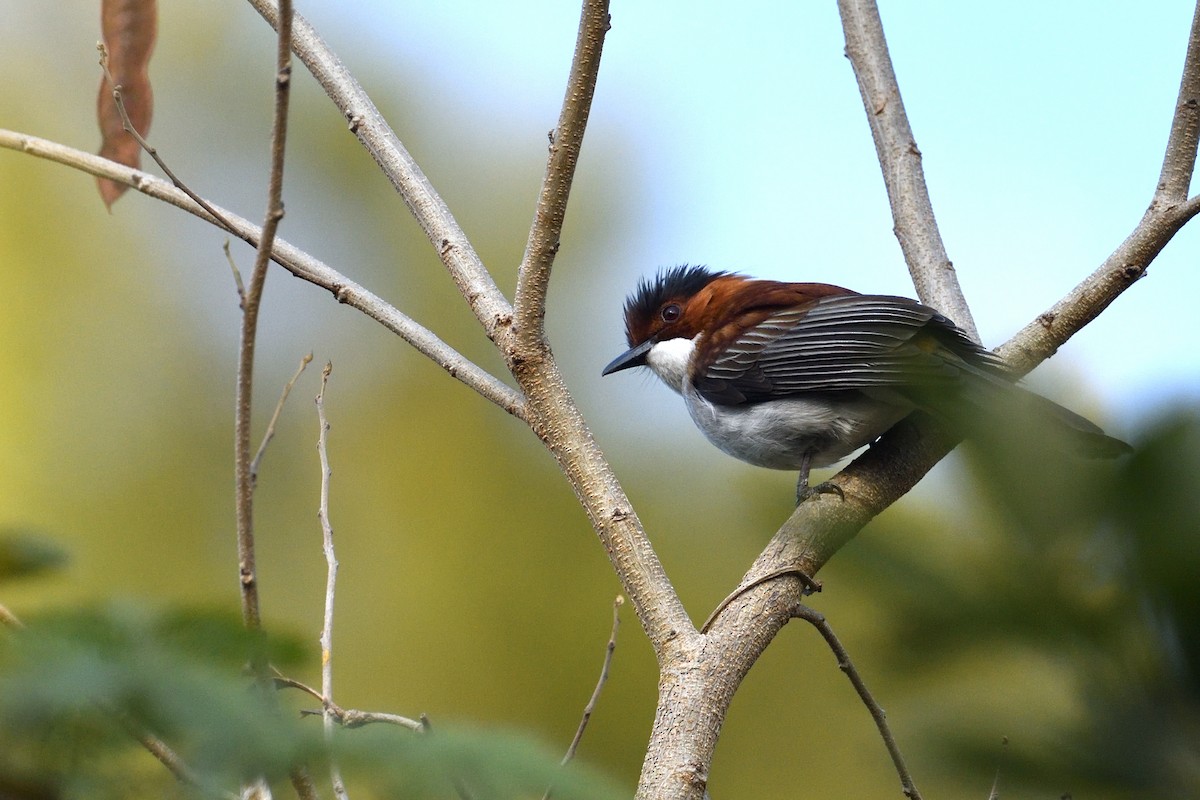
(633, 357)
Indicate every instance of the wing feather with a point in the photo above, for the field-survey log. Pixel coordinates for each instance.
(845, 343)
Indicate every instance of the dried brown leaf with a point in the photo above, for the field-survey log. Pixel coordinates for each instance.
(129, 29)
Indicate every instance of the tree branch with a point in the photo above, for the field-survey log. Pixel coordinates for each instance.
(846, 665)
(291, 258)
(472, 278)
(331, 571)
(533, 279)
(244, 496)
(915, 226)
(1179, 162)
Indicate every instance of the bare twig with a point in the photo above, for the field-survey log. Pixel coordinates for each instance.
(346, 717)
(291, 258)
(237, 273)
(810, 586)
(915, 226)
(127, 124)
(244, 497)
(609, 649)
(270, 434)
(566, 139)
(331, 566)
(846, 665)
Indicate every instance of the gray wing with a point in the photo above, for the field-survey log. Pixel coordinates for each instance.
(849, 342)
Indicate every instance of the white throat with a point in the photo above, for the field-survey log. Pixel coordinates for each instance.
(670, 360)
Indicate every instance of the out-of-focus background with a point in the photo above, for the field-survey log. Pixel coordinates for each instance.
(471, 585)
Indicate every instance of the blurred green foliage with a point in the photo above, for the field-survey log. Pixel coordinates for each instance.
(77, 690)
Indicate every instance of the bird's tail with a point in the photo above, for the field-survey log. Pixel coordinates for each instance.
(994, 407)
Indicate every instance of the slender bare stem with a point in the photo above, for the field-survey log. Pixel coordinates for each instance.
(233, 267)
(846, 665)
(916, 227)
(291, 258)
(810, 586)
(609, 649)
(566, 139)
(346, 717)
(244, 497)
(127, 125)
(331, 566)
(270, 434)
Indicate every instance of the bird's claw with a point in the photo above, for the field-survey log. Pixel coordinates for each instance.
(804, 491)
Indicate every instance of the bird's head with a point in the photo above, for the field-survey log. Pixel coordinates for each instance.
(688, 307)
(675, 304)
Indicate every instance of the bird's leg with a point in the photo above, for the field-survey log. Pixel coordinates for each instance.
(804, 491)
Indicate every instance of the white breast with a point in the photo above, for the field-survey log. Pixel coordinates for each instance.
(777, 433)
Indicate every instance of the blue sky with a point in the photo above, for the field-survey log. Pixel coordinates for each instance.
(1042, 128)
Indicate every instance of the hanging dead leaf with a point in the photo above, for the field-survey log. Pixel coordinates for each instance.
(129, 28)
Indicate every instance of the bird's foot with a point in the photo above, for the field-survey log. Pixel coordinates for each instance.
(804, 491)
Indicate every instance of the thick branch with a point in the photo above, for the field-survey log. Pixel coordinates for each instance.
(291, 258)
(372, 130)
(915, 226)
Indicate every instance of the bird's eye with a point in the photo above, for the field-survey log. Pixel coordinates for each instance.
(670, 312)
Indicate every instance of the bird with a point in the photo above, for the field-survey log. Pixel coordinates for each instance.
(792, 376)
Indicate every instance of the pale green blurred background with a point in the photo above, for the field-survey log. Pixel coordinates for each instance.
(471, 586)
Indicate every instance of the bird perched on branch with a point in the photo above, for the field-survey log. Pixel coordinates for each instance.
(799, 375)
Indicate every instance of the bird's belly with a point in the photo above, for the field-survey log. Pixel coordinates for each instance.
(777, 433)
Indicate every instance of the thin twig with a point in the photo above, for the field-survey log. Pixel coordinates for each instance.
(237, 274)
(915, 225)
(818, 621)
(291, 258)
(244, 497)
(331, 565)
(811, 585)
(270, 434)
(346, 717)
(533, 278)
(127, 124)
(609, 649)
